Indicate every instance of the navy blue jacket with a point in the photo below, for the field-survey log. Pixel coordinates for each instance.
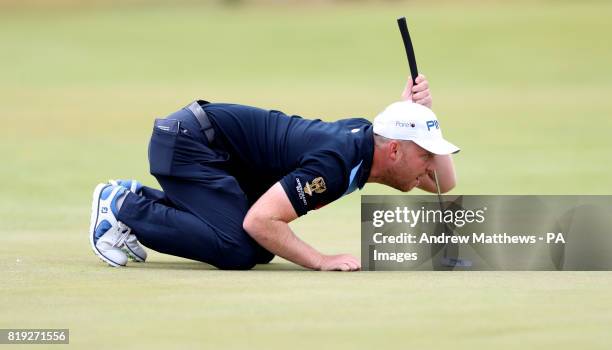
(316, 162)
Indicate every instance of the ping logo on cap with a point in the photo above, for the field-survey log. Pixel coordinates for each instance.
(432, 124)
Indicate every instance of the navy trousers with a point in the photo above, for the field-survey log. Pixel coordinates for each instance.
(200, 212)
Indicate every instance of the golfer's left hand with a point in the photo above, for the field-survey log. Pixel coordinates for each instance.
(418, 93)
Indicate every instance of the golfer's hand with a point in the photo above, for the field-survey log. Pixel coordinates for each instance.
(418, 93)
(340, 262)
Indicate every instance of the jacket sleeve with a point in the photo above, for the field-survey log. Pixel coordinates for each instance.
(321, 178)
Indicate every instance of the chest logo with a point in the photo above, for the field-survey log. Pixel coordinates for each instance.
(317, 186)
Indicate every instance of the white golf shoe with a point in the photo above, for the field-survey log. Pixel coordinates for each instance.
(133, 249)
(106, 234)
(131, 246)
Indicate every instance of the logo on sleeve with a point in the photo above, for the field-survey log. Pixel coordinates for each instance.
(300, 191)
(317, 186)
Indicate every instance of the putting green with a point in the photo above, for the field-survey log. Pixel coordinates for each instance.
(523, 88)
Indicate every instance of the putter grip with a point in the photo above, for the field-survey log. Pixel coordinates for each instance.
(403, 27)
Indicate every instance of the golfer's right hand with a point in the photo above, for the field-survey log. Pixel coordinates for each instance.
(418, 93)
(340, 262)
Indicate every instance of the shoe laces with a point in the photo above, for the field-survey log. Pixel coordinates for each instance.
(124, 230)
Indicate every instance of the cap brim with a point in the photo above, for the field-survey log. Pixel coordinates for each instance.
(438, 146)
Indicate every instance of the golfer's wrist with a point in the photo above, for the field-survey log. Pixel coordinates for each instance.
(318, 261)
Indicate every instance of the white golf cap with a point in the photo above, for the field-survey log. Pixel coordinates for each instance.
(413, 122)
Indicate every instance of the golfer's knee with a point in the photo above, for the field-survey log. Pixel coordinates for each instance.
(237, 265)
(238, 259)
(265, 257)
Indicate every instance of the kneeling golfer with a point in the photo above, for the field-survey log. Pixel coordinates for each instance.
(234, 176)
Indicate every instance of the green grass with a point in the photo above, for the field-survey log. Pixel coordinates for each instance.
(523, 88)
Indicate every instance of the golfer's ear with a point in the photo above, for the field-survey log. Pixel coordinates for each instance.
(274, 205)
(393, 150)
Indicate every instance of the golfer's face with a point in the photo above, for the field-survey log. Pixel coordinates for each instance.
(415, 164)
